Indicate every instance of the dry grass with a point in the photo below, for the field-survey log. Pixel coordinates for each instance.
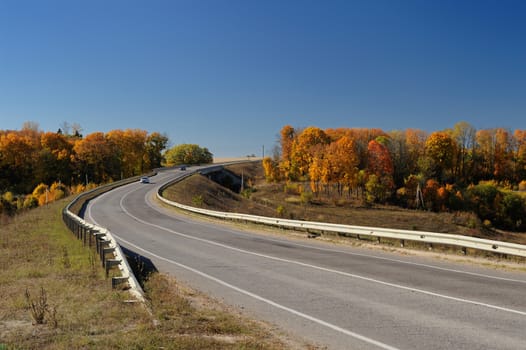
(79, 310)
(270, 199)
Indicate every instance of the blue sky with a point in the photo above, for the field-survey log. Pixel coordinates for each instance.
(228, 75)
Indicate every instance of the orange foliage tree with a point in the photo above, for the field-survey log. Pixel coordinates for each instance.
(440, 148)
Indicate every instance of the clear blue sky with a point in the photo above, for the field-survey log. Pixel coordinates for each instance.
(228, 75)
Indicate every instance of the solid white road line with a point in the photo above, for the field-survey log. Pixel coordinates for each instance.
(277, 305)
(152, 206)
(262, 299)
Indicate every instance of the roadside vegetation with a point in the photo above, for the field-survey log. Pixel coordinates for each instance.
(55, 295)
(37, 167)
(293, 200)
(458, 170)
(187, 154)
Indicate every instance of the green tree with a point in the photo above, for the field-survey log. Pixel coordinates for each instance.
(188, 154)
(512, 212)
(155, 145)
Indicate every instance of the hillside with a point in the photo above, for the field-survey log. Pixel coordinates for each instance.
(272, 199)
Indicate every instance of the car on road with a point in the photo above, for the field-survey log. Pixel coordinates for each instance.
(144, 180)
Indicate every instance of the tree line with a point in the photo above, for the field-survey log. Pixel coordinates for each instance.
(49, 165)
(461, 168)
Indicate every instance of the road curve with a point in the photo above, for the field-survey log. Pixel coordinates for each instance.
(333, 296)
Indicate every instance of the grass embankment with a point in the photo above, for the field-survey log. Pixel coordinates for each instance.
(275, 200)
(43, 264)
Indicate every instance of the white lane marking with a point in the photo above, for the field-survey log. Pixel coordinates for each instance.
(243, 291)
(299, 263)
(152, 206)
(265, 300)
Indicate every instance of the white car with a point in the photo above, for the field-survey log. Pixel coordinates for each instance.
(144, 180)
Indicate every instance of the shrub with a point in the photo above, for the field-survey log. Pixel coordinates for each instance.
(512, 211)
(246, 193)
(30, 202)
(378, 189)
(58, 187)
(8, 196)
(40, 190)
(483, 200)
(198, 200)
(280, 210)
(58, 194)
(291, 188)
(306, 197)
(78, 189)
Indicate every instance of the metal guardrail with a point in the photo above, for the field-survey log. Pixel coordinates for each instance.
(374, 232)
(105, 244)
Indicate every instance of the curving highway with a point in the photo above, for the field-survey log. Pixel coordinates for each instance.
(334, 296)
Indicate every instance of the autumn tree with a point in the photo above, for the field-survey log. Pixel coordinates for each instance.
(287, 137)
(18, 157)
(503, 154)
(130, 149)
(271, 169)
(55, 158)
(440, 148)
(465, 138)
(95, 159)
(519, 137)
(343, 163)
(379, 161)
(415, 141)
(485, 154)
(303, 149)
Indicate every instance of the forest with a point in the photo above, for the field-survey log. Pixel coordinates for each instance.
(37, 167)
(458, 169)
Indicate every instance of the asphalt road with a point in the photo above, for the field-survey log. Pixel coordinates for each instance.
(337, 297)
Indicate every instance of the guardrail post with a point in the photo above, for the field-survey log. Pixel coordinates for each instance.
(464, 251)
(98, 241)
(111, 263)
(83, 234)
(102, 244)
(115, 281)
(103, 255)
(402, 243)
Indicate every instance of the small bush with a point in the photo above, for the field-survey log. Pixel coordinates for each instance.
(30, 202)
(280, 210)
(38, 307)
(306, 197)
(246, 193)
(291, 188)
(198, 200)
